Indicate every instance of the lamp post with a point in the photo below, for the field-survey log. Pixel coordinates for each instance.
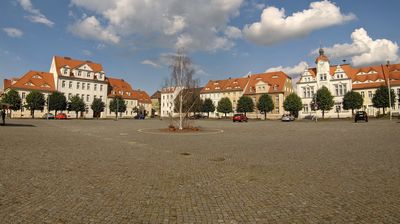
(117, 110)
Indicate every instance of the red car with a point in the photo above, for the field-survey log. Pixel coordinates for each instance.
(239, 117)
(61, 116)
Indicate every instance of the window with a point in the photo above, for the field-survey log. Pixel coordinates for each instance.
(83, 86)
(87, 98)
(101, 98)
(101, 87)
(370, 94)
(70, 84)
(23, 96)
(88, 75)
(69, 95)
(65, 71)
(83, 96)
(77, 85)
(308, 92)
(79, 73)
(63, 84)
(95, 87)
(323, 77)
(340, 89)
(94, 97)
(305, 108)
(88, 86)
(362, 94)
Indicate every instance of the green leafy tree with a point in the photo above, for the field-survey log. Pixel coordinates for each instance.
(352, 100)
(224, 106)
(265, 104)
(208, 107)
(76, 104)
(35, 101)
(381, 98)
(97, 107)
(324, 100)
(245, 104)
(117, 105)
(13, 99)
(57, 102)
(293, 104)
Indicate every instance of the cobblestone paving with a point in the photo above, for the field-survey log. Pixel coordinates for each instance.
(256, 172)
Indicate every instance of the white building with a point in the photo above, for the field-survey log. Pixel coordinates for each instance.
(82, 78)
(168, 96)
(332, 77)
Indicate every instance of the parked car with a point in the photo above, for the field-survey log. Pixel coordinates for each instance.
(287, 117)
(361, 115)
(61, 116)
(239, 117)
(139, 117)
(197, 116)
(48, 116)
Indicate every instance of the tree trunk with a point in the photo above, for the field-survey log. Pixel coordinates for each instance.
(116, 115)
(180, 111)
(383, 111)
(265, 115)
(225, 115)
(76, 114)
(33, 113)
(208, 114)
(323, 114)
(352, 112)
(245, 113)
(55, 112)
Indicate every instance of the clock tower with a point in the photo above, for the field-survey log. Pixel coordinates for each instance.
(323, 67)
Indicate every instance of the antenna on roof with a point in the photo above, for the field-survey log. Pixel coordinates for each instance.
(248, 74)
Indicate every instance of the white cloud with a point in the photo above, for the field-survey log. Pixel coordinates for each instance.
(364, 50)
(291, 71)
(192, 24)
(90, 28)
(35, 15)
(151, 63)
(86, 52)
(275, 26)
(233, 32)
(13, 32)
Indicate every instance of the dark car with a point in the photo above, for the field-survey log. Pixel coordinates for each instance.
(197, 116)
(239, 117)
(361, 115)
(139, 116)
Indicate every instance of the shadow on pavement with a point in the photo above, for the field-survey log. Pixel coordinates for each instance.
(18, 125)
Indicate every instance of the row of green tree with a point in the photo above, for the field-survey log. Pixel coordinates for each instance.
(35, 100)
(323, 101)
(352, 100)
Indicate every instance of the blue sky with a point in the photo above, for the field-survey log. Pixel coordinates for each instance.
(224, 38)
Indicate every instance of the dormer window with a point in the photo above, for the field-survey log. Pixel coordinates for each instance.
(45, 85)
(275, 77)
(275, 87)
(323, 77)
(65, 71)
(217, 87)
(37, 77)
(79, 73)
(29, 84)
(88, 75)
(216, 83)
(207, 88)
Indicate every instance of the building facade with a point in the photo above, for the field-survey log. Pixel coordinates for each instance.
(340, 79)
(85, 79)
(32, 80)
(168, 96)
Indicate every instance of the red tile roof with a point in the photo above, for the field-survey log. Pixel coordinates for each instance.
(74, 63)
(119, 85)
(141, 96)
(273, 79)
(33, 80)
(225, 85)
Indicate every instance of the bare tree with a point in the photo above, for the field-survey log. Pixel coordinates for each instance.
(182, 78)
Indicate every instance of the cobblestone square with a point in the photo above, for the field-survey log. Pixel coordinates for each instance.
(105, 171)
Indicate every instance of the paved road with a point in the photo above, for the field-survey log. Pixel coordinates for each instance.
(106, 171)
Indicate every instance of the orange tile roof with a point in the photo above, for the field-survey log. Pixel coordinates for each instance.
(118, 85)
(168, 90)
(141, 96)
(225, 85)
(368, 73)
(33, 80)
(277, 79)
(74, 63)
